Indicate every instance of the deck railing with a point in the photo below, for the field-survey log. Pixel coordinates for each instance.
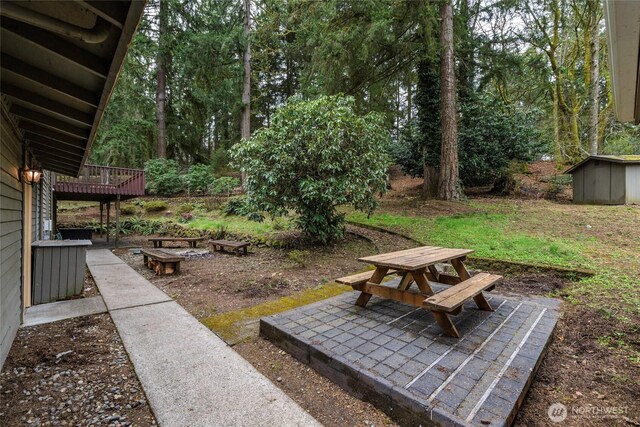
(103, 180)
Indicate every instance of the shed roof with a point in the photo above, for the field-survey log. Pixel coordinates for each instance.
(59, 62)
(631, 159)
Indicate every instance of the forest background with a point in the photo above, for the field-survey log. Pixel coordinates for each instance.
(532, 80)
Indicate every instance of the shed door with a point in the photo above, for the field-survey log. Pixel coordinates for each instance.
(633, 184)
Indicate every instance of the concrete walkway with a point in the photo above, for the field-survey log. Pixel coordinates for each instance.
(61, 310)
(190, 376)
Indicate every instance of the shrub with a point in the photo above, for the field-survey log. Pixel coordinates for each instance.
(316, 156)
(198, 178)
(279, 224)
(163, 177)
(155, 206)
(223, 185)
(142, 226)
(220, 232)
(236, 206)
(185, 207)
(128, 210)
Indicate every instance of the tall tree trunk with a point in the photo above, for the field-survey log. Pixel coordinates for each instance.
(161, 88)
(594, 93)
(245, 125)
(448, 188)
(409, 98)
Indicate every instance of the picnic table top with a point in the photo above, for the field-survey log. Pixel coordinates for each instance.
(415, 258)
(177, 239)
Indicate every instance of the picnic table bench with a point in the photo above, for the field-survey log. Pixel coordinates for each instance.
(418, 265)
(240, 248)
(161, 262)
(193, 241)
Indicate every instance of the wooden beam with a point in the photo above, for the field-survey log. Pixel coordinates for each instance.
(46, 104)
(59, 46)
(48, 163)
(51, 122)
(406, 297)
(112, 11)
(446, 324)
(53, 134)
(55, 155)
(376, 277)
(45, 78)
(43, 143)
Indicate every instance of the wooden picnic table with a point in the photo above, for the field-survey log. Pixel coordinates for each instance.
(418, 265)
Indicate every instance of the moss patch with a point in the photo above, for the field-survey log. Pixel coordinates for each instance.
(232, 325)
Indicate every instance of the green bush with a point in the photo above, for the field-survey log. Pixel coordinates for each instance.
(198, 178)
(142, 226)
(155, 206)
(220, 232)
(185, 207)
(237, 206)
(316, 156)
(279, 224)
(128, 210)
(223, 185)
(163, 177)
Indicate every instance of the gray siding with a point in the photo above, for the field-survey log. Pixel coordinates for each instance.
(10, 239)
(633, 184)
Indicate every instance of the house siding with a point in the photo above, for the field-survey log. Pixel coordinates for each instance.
(10, 238)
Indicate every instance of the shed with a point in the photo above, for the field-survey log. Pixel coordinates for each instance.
(607, 180)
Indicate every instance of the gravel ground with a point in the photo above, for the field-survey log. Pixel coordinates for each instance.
(73, 372)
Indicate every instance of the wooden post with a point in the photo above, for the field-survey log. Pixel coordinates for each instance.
(117, 219)
(101, 219)
(108, 215)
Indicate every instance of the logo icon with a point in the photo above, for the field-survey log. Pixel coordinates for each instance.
(557, 412)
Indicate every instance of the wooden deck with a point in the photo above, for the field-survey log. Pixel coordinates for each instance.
(100, 183)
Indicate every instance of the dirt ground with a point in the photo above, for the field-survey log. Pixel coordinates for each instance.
(72, 372)
(581, 374)
(216, 283)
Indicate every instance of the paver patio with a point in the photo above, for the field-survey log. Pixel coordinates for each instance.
(395, 356)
